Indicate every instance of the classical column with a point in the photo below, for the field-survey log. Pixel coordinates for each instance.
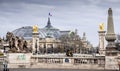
(110, 36)
(101, 39)
(35, 35)
(111, 50)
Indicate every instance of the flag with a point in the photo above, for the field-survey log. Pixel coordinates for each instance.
(50, 14)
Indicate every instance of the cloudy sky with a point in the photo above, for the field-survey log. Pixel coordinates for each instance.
(84, 15)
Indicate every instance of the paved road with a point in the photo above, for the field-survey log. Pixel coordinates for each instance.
(55, 70)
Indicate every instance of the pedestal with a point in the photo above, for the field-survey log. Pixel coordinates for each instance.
(101, 42)
(110, 58)
(35, 46)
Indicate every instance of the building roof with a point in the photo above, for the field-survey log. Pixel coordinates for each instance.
(47, 31)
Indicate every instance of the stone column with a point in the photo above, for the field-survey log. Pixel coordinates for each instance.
(35, 42)
(101, 42)
(111, 50)
(35, 37)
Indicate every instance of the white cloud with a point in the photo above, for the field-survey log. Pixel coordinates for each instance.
(113, 1)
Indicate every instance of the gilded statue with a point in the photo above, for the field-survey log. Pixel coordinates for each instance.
(35, 29)
(101, 27)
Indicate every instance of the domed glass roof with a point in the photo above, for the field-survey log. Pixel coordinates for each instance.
(47, 31)
(25, 32)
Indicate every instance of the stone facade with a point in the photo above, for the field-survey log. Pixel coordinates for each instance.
(78, 61)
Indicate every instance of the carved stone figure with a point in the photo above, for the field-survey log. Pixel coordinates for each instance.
(16, 44)
(35, 29)
(101, 26)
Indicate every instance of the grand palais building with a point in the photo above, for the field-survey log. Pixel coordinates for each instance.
(53, 40)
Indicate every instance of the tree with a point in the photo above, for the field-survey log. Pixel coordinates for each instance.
(71, 41)
(117, 42)
(69, 53)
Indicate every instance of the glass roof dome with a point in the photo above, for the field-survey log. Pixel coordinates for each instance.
(47, 31)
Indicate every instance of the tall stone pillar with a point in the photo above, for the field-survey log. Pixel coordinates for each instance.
(35, 37)
(101, 39)
(111, 50)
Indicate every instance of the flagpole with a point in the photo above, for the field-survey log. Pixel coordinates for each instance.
(49, 15)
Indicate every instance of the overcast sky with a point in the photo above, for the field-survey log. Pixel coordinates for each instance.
(84, 15)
